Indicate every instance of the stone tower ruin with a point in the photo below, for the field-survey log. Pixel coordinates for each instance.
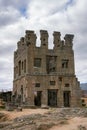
(45, 76)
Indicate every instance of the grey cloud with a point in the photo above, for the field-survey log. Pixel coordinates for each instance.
(6, 76)
(6, 50)
(5, 86)
(82, 50)
(3, 66)
(17, 4)
(14, 3)
(6, 71)
(11, 11)
(5, 80)
(9, 16)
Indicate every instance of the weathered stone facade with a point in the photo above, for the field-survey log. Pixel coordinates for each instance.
(45, 76)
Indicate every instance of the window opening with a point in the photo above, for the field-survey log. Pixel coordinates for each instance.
(52, 82)
(37, 62)
(37, 85)
(65, 63)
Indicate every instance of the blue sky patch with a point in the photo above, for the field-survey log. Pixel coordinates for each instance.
(23, 11)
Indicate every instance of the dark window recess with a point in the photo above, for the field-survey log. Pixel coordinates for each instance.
(66, 85)
(83, 100)
(21, 89)
(22, 65)
(65, 63)
(51, 63)
(25, 66)
(28, 43)
(60, 79)
(28, 38)
(21, 93)
(37, 85)
(37, 62)
(52, 82)
(44, 44)
(19, 65)
(44, 39)
(53, 69)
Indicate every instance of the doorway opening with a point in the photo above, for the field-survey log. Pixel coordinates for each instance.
(37, 98)
(52, 97)
(66, 98)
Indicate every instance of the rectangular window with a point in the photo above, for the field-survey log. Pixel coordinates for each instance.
(52, 82)
(19, 67)
(22, 65)
(67, 85)
(37, 62)
(37, 85)
(60, 79)
(25, 66)
(51, 63)
(65, 63)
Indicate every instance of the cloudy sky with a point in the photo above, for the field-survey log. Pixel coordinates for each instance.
(66, 16)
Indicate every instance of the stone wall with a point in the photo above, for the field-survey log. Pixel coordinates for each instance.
(45, 76)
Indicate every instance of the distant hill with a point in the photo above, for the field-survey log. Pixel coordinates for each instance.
(83, 86)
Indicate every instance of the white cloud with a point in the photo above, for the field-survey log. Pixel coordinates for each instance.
(45, 8)
(66, 16)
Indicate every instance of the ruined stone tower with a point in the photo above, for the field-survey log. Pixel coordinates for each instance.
(45, 76)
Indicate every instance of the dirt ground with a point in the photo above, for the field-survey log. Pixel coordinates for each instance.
(72, 124)
(14, 114)
(46, 119)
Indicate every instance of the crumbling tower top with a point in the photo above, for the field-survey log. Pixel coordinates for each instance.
(44, 38)
(30, 38)
(69, 39)
(57, 39)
